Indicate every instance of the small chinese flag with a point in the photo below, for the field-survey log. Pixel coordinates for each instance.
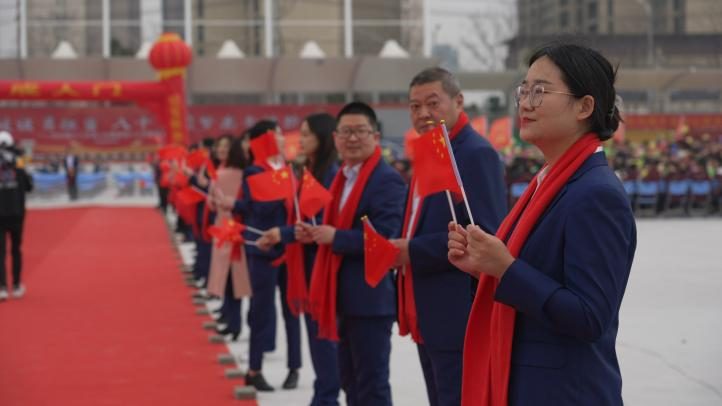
(186, 201)
(211, 169)
(190, 196)
(265, 146)
(228, 232)
(271, 185)
(197, 158)
(379, 255)
(179, 180)
(314, 196)
(433, 169)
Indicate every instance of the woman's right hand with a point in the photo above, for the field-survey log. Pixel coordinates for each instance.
(458, 254)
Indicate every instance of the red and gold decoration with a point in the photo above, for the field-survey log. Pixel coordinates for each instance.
(169, 56)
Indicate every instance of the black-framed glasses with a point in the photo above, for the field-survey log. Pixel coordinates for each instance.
(535, 94)
(360, 132)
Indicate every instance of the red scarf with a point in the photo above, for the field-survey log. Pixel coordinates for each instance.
(408, 321)
(325, 270)
(296, 289)
(490, 330)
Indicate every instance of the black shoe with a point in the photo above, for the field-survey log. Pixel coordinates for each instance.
(291, 381)
(226, 331)
(258, 382)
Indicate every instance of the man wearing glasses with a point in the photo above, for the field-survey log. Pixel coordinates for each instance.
(440, 290)
(346, 307)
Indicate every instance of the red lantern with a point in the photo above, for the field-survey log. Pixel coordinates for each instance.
(170, 55)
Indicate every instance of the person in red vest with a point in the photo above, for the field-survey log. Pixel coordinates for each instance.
(441, 293)
(544, 322)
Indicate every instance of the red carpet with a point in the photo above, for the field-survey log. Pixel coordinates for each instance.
(107, 319)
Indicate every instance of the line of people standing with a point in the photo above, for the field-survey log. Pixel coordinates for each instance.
(457, 288)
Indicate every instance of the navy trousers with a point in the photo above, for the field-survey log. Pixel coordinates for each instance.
(262, 312)
(291, 322)
(231, 306)
(363, 359)
(442, 373)
(324, 357)
(203, 258)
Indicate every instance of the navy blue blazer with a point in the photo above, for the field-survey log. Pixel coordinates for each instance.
(440, 289)
(382, 200)
(288, 231)
(567, 286)
(261, 215)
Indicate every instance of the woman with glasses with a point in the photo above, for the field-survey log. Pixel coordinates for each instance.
(544, 322)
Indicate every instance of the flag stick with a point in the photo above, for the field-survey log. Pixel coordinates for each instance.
(251, 243)
(199, 190)
(313, 221)
(254, 230)
(295, 195)
(451, 206)
(456, 171)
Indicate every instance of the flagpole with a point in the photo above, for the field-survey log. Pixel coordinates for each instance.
(456, 171)
(451, 206)
(254, 230)
(295, 196)
(199, 190)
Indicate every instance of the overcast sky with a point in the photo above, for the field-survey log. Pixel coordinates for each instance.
(475, 28)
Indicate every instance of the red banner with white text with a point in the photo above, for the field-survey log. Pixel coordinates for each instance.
(135, 129)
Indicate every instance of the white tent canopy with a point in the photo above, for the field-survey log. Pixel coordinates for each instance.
(230, 50)
(144, 50)
(311, 50)
(392, 49)
(64, 50)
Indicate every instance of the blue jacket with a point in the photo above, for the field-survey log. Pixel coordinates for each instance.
(567, 286)
(382, 200)
(261, 215)
(440, 289)
(288, 231)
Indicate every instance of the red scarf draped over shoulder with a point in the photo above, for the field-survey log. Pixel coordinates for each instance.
(490, 330)
(322, 297)
(408, 321)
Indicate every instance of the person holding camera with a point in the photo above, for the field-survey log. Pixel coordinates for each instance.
(14, 183)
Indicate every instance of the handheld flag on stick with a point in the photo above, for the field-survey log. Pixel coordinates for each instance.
(314, 196)
(229, 232)
(432, 164)
(379, 254)
(211, 169)
(272, 185)
(460, 185)
(265, 146)
(196, 159)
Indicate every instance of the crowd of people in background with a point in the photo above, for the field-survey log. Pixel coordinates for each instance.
(690, 165)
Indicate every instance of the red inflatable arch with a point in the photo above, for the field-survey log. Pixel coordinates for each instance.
(166, 98)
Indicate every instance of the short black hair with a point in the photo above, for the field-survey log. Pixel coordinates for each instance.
(208, 142)
(261, 127)
(361, 108)
(587, 72)
(430, 75)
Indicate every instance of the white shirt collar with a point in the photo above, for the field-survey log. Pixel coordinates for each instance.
(351, 172)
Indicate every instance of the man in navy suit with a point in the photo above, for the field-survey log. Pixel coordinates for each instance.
(440, 290)
(364, 314)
